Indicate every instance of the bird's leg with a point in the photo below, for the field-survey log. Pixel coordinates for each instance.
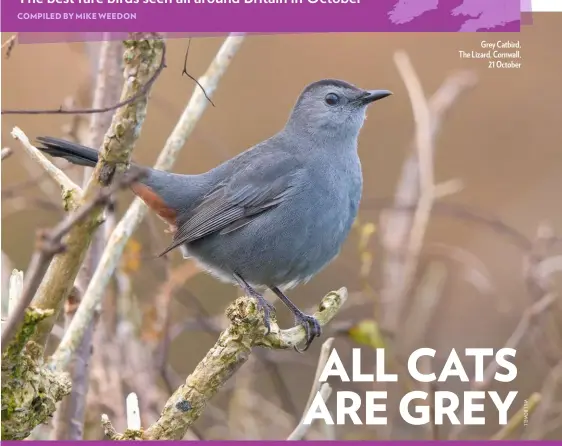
(263, 304)
(310, 324)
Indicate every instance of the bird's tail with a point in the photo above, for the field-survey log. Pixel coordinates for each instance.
(70, 151)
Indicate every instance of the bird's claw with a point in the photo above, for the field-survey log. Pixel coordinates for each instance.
(267, 309)
(312, 329)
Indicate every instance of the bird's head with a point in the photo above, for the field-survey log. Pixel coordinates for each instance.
(333, 108)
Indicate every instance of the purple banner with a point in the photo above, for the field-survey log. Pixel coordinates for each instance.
(259, 16)
(283, 443)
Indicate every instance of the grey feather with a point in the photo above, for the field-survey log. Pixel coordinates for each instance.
(235, 202)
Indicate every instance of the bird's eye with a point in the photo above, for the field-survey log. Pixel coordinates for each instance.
(332, 99)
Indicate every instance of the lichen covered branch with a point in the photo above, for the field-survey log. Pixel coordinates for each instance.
(142, 59)
(230, 352)
(29, 390)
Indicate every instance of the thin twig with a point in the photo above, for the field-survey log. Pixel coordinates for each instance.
(549, 266)
(9, 45)
(6, 152)
(138, 372)
(15, 290)
(475, 270)
(322, 360)
(142, 92)
(461, 212)
(301, 429)
(7, 270)
(184, 71)
(422, 119)
(198, 102)
(71, 191)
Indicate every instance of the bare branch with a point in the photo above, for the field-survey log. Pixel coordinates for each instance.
(422, 118)
(301, 430)
(7, 270)
(71, 192)
(16, 287)
(424, 146)
(549, 266)
(9, 45)
(416, 185)
(6, 152)
(137, 210)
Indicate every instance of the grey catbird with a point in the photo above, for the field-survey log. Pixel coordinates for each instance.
(276, 214)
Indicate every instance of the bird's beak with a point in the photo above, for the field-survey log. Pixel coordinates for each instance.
(374, 95)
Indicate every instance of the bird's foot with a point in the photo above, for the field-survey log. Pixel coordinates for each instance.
(267, 309)
(311, 327)
(262, 303)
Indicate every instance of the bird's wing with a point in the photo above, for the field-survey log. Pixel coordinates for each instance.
(241, 198)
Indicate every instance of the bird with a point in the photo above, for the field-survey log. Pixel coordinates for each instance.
(276, 214)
